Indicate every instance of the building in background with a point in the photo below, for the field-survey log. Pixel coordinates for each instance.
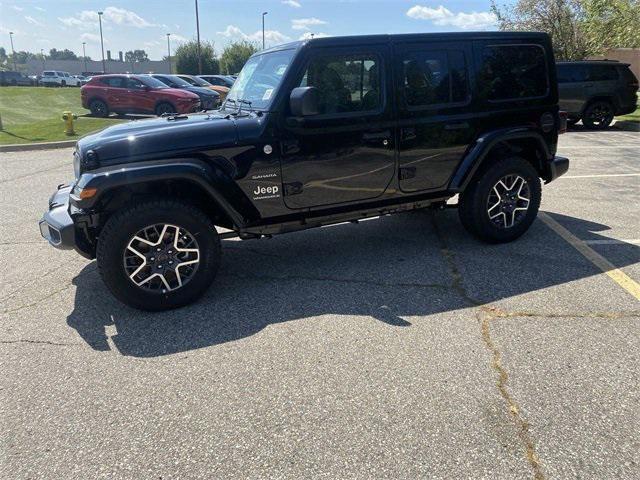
(77, 67)
(625, 55)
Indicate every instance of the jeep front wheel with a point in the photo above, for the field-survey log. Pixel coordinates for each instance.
(158, 255)
(502, 201)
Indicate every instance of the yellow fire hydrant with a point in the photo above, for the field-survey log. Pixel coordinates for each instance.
(68, 118)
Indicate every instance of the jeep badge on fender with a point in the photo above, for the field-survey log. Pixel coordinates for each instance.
(312, 133)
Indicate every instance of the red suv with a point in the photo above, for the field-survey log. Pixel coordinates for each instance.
(135, 94)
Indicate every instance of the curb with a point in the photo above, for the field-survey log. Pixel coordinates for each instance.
(23, 147)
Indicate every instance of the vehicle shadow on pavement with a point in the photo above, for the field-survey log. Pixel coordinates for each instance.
(392, 269)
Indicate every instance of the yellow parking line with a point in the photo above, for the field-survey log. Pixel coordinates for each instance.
(598, 260)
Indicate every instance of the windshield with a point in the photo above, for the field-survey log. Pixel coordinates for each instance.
(152, 82)
(197, 82)
(260, 78)
(178, 81)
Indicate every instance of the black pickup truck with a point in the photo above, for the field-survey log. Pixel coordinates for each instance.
(313, 133)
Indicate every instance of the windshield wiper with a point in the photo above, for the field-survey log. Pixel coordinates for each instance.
(238, 103)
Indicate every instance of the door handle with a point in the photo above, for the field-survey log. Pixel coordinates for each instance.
(456, 126)
(376, 138)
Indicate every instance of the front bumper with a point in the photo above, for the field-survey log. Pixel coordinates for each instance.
(57, 225)
(558, 166)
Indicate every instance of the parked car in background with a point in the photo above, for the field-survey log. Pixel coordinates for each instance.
(123, 94)
(209, 100)
(220, 80)
(11, 78)
(596, 91)
(54, 78)
(199, 82)
(83, 80)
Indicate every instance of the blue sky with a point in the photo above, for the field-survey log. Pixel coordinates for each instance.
(143, 24)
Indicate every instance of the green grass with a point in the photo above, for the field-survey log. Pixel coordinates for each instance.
(33, 114)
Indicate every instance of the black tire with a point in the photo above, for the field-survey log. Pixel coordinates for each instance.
(99, 108)
(164, 107)
(122, 227)
(598, 115)
(474, 205)
(63, 83)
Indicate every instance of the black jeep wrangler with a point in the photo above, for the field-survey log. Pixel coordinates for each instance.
(313, 133)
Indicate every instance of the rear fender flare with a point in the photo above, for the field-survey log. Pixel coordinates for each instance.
(478, 153)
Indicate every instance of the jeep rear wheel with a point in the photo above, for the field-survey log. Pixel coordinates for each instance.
(158, 255)
(501, 202)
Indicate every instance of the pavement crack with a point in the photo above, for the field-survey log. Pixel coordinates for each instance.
(454, 272)
(38, 342)
(40, 300)
(485, 317)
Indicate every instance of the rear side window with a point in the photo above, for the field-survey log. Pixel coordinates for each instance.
(49, 74)
(601, 73)
(513, 72)
(346, 83)
(434, 77)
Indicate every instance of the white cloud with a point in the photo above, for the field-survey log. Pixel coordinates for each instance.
(271, 36)
(40, 9)
(33, 21)
(16, 8)
(305, 23)
(292, 3)
(115, 15)
(178, 38)
(307, 35)
(90, 38)
(444, 17)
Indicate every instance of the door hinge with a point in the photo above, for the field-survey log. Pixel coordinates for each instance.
(292, 188)
(407, 172)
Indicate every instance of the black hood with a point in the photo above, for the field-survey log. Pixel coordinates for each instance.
(162, 137)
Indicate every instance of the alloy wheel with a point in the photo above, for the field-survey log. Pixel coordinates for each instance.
(508, 201)
(161, 258)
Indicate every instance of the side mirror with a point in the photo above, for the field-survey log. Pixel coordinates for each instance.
(304, 101)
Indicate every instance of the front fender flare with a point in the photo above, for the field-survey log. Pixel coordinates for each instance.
(219, 186)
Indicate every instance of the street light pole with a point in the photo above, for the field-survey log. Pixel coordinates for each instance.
(198, 37)
(43, 59)
(263, 14)
(84, 56)
(104, 68)
(169, 52)
(13, 52)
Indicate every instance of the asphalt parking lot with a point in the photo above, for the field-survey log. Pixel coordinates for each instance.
(397, 348)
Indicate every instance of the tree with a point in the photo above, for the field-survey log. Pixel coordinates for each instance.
(3, 57)
(136, 56)
(611, 24)
(561, 19)
(65, 54)
(186, 58)
(235, 56)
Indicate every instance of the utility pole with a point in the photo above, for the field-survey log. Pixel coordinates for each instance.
(84, 56)
(13, 52)
(263, 14)
(43, 59)
(198, 37)
(104, 68)
(169, 52)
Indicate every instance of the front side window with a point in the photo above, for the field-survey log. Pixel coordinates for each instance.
(345, 83)
(513, 72)
(260, 79)
(134, 84)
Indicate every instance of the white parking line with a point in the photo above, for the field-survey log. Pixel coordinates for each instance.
(604, 175)
(612, 241)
